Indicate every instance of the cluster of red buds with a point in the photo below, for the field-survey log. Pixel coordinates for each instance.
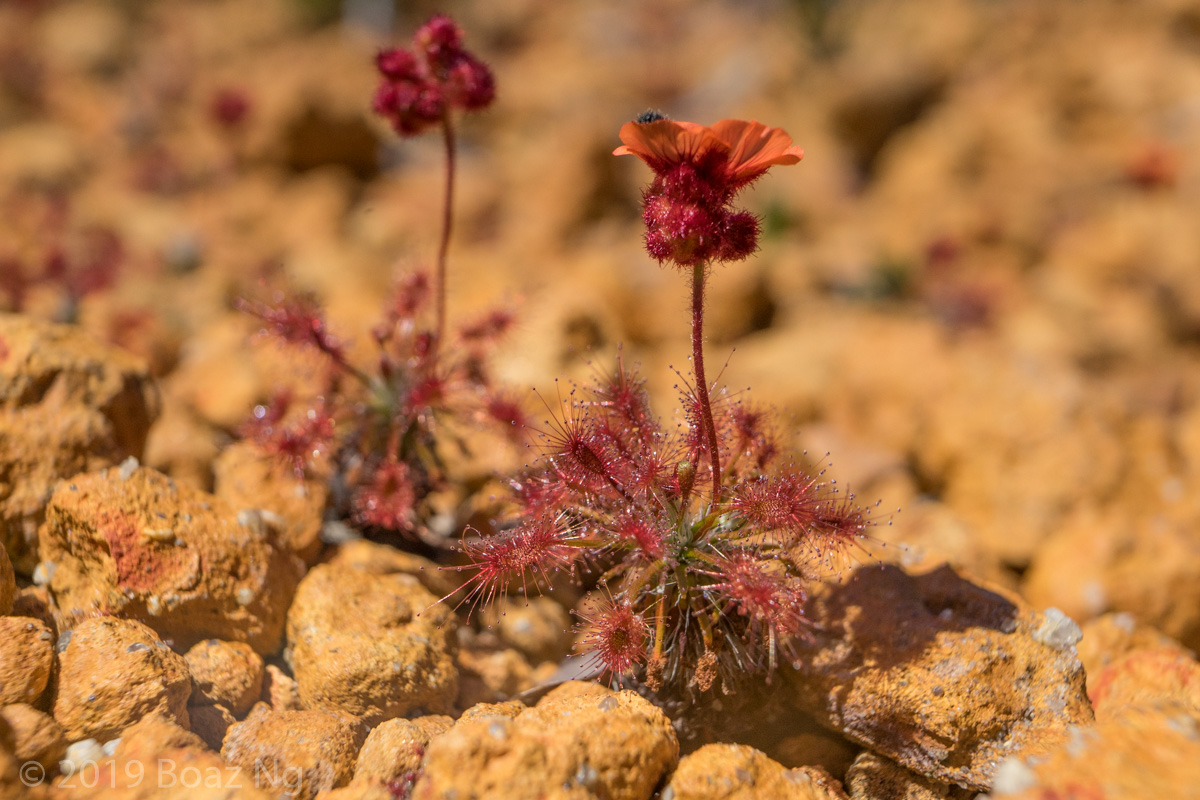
(421, 85)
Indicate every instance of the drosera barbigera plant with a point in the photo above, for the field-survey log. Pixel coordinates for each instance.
(379, 431)
(704, 536)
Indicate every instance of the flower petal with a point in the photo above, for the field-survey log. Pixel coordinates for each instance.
(754, 148)
(664, 142)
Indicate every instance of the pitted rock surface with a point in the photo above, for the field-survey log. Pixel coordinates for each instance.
(374, 645)
(225, 673)
(26, 659)
(68, 403)
(131, 541)
(740, 772)
(617, 746)
(112, 673)
(300, 753)
(943, 676)
(247, 477)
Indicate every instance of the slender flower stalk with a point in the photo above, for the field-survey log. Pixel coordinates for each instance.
(702, 391)
(687, 209)
(421, 86)
(447, 223)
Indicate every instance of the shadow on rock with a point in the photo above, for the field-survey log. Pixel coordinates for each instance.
(940, 674)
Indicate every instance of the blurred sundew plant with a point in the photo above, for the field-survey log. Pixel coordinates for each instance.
(377, 433)
(704, 536)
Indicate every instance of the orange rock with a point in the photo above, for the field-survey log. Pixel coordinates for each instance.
(491, 674)
(133, 542)
(1141, 752)
(8, 582)
(37, 737)
(817, 747)
(35, 602)
(381, 559)
(15, 774)
(393, 750)
(373, 645)
(509, 709)
(210, 721)
(1110, 636)
(739, 772)
(246, 477)
(873, 777)
(1147, 678)
(358, 791)
(539, 628)
(1122, 559)
(111, 673)
(943, 676)
(570, 689)
(25, 659)
(618, 747)
(158, 760)
(279, 690)
(182, 445)
(225, 673)
(68, 403)
(297, 752)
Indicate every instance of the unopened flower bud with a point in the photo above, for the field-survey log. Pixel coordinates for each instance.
(470, 84)
(440, 39)
(397, 64)
(685, 476)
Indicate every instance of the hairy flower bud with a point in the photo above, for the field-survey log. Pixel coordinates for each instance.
(469, 84)
(397, 64)
(439, 39)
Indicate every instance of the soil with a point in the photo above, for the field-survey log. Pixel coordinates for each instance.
(976, 300)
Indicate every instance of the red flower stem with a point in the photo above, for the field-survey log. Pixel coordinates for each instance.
(447, 221)
(710, 429)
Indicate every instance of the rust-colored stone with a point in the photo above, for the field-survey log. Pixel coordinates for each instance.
(297, 752)
(943, 676)
(373, 645)
(68, 403)
(129, 540)
(112, 673)
(225, 673)
(26, 659)
(739, 772)
(582, 747)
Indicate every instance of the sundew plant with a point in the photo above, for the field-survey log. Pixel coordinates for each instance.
(704, 535)
(377, 431)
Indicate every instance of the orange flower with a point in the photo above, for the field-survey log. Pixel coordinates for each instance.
(750, 148)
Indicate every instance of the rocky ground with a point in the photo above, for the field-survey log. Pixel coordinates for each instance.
(978, 292)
